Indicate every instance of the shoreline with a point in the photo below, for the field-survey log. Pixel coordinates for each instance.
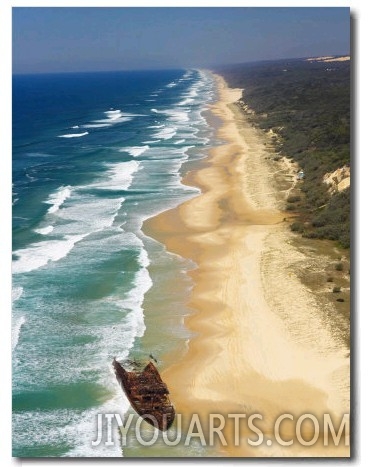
(259, 344)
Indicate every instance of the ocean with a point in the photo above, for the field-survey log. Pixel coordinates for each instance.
(94, 156)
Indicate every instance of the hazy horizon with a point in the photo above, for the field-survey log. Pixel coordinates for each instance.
(76, 39)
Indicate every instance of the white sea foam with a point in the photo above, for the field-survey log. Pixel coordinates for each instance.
(175, 114)
(39, 254)
(16, 330)
(44, 230)
(75, 127)
(113, 117)
(58, 198)
(16, 293)
(165, 133)
(186, 75)
(129, 114)
(133, 300)
(97, 125)
(169, 160)
(31, 178)
(178, 115)
(88, 213)
(63, 425)
(120, 176)
(186, 101)
(72, 223)
(135, 151)
(38, 428)
(180, 141)
(144, 260)
(86, 426)
(114, 120)
(113, 112)
(74, 135)
(86, 216)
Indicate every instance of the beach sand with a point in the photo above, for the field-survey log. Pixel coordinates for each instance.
(260, 344)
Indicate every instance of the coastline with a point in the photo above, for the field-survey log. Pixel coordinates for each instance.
(259, 343)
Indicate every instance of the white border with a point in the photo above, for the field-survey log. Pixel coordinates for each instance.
(364, 17)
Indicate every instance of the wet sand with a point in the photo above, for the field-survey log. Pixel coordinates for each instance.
(260, 345)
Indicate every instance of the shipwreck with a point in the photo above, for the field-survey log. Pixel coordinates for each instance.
(147, 394)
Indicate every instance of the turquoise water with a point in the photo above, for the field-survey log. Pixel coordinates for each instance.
(94, 155)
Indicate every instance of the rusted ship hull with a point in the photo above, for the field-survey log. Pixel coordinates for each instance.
(148, 394)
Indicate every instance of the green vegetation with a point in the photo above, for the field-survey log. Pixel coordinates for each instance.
(339, 266)
(293, 199)
(307, 105)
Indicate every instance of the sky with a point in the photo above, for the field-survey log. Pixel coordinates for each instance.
(71, 39)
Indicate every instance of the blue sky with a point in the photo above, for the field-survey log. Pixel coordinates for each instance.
(96, 39)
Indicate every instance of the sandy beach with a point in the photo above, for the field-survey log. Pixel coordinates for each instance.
(260, 344)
